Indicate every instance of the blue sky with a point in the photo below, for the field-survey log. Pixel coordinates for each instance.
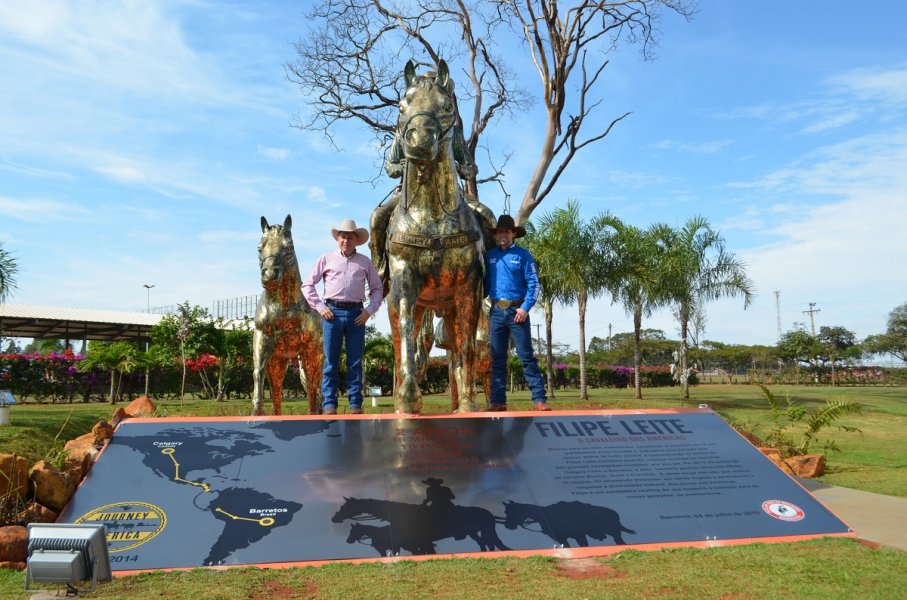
(141, 142)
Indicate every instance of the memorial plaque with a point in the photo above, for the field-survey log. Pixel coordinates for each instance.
(186, 493)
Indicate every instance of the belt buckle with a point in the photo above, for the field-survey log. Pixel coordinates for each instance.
(503, 303)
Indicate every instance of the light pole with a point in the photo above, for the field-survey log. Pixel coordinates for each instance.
(147, 287)
(148, 296)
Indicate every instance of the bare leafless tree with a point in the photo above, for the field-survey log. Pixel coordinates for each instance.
(349, 66)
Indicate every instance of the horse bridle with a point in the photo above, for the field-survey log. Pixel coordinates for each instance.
(279, 258)
(443, 132)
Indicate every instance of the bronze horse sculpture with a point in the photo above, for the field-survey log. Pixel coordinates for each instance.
(433, 243)
(286, 328)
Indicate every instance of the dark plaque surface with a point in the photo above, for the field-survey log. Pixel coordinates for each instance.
(189, 493)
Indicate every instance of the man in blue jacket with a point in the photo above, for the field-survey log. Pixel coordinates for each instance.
(512, 284)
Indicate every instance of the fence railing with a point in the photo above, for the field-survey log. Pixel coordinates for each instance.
(237, 308)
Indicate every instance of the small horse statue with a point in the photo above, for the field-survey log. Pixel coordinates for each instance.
(286, 327)
(433, 242)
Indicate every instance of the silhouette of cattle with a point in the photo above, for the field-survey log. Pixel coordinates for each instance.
(563, 520)
(382, 540)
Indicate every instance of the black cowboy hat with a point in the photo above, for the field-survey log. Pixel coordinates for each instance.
(506, 222)
(432, 481)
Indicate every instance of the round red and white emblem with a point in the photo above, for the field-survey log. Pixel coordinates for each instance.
(783, 510)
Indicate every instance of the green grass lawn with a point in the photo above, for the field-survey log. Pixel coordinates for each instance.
(823, 569)
(873, 460)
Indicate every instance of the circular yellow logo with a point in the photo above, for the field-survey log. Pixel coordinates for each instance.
(129, 524)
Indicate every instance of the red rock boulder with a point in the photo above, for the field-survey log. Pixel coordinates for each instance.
(141, 407)
(807, 465)
(35, 513)
(13, 477)
(774, 455)
(13, 544)
(53, 488)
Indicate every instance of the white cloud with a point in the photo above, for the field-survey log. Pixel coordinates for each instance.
(32, 210)
(124, 174)
(31, 171)
(698, 148)
(274, 153)
(831, 122)
(224, 236)
(316, 193)
(883, 85)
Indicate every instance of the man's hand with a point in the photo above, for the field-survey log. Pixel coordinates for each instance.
(520, 316)
(362, 318)
(328, 314)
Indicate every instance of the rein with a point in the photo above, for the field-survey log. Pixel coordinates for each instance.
(281, 258)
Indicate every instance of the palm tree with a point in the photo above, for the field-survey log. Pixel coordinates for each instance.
(636, 285)
(119, 358)
(695, 269)
(543, 248)
(580, 269)
(8, 270)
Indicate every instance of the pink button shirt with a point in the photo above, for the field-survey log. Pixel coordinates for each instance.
(344, 281)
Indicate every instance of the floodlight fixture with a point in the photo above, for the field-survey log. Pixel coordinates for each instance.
(65, 553)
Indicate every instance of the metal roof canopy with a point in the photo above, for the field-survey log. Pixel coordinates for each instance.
(47, 322)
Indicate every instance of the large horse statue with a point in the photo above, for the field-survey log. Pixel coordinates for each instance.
(433, 242)
(286, 327)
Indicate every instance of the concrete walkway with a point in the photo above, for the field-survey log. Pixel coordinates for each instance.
(875, 517)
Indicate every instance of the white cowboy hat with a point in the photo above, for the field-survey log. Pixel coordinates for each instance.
(349, 225)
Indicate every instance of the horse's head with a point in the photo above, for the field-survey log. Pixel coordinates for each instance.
(348, 510)
(427, 113)
(357, 533)
(514, 514)
(275, 252)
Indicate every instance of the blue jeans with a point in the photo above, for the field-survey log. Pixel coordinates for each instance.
(342, 328)
(501, 328)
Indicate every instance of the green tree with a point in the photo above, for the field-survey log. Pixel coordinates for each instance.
(894, 340)
(800, 347)
(696, 268)
(45, 346)
(378, 353)
(543, 243)
(9, 267)
(836, 343)
(119, 358)
(578, 254)
(732, 358)
(636, 284)
(184, 335)
(230, 342)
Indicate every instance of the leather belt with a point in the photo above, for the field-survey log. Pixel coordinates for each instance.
(505, 303)
(343, 305)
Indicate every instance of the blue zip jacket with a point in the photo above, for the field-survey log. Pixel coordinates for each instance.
(512, 274)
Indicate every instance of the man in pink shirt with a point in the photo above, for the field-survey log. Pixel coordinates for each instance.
(345, 273)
